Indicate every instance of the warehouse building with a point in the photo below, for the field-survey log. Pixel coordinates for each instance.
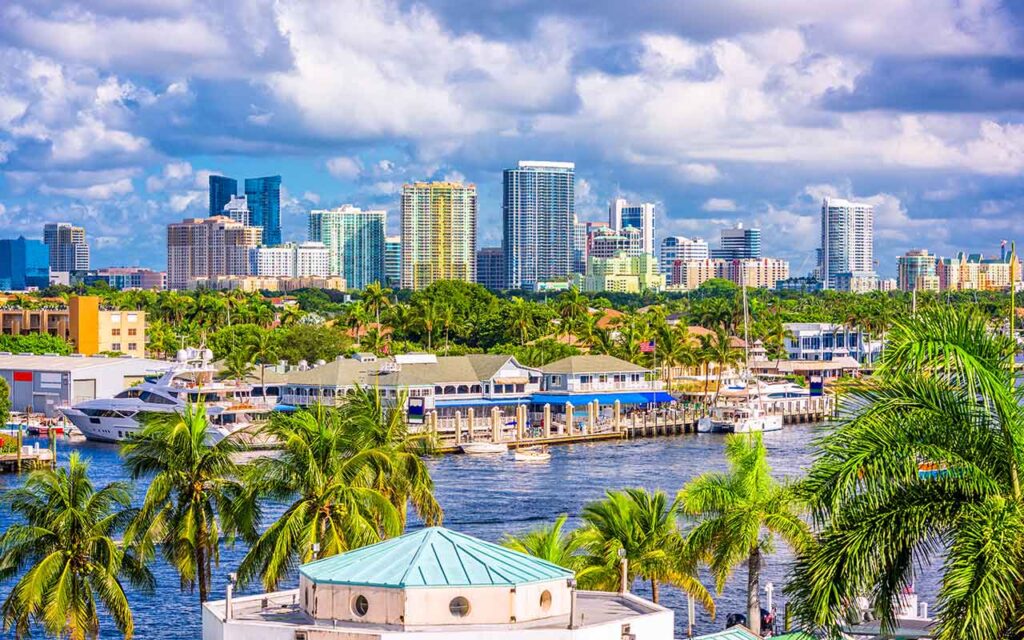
(45, 383)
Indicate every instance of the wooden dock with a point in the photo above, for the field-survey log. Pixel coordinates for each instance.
(28, 457)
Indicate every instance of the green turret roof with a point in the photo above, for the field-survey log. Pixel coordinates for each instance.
(433, 557)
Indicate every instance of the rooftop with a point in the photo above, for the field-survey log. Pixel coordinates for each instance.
(591, 364)
(433, 557)
(78, 362)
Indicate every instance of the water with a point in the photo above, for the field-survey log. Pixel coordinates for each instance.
(487, 497)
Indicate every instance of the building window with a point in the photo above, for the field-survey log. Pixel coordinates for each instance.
(115, 317)
(132, 346)
(133, 317)
(545, 600)
(459, 607)
(360, 605)
(132, 332)
(115, 346)
(115, 332)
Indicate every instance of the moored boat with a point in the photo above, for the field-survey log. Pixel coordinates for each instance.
(484, 448)
(532, 454)
(738, 420)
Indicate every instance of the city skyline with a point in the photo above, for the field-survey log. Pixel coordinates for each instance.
(853, 100)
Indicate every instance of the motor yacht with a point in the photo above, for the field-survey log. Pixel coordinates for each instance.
(230, 405)
(738, 419)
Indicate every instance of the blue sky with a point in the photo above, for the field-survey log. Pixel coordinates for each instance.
(113, 113)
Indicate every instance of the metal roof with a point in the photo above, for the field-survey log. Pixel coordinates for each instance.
(77, 363)
(433, 557)
(591, 364)
(346, 372)
(737, 632)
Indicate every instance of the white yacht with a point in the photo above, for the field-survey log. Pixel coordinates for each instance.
(738, 419)
(230, 406)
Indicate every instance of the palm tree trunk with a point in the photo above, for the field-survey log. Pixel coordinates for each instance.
(201, 565)
(654, 591)
(754, 591)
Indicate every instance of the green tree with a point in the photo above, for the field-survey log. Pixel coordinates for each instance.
(643, 525)
(724, 354)
(521, 322)
(237, 366)
(946, 392)
(193, 500)
(573, 309)
(739, 514)
(67, 546)
(376, 299)
(553, 544)
(5, 402)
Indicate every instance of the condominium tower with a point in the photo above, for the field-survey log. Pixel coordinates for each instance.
(23, 264)
(739, 243)
(680, 248)
(439, 233)
(538, 209)
(237, 208)
(916, 271)
(490, 268)
(222, 189)
(355, 240)
(847, 239)
(290, 260)
(207, 248)
(622, 215)
(67, 246)
(393, 261)
(264, 199)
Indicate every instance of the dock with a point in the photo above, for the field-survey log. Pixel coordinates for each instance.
(25, 457)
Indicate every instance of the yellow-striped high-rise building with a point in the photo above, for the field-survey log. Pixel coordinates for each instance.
(438, 233)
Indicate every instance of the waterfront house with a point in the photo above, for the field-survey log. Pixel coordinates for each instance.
(435, 584)
(826, 341)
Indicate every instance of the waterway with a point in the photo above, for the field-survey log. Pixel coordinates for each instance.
(488, 497)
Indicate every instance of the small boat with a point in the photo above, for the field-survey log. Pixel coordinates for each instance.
(738, 420)
(484, 448)
(532, 454)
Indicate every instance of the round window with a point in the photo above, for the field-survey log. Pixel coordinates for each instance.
(459, 607)
(545, 600)
(360, 605)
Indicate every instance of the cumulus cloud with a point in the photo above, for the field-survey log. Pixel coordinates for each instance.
(719, 204)
(344, 167)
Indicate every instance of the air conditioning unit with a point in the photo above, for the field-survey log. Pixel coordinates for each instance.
(300, 635)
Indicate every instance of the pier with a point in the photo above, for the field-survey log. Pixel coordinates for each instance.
(591, 422)
(27, 457)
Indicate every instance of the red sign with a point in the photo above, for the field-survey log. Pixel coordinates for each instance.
(23, 376)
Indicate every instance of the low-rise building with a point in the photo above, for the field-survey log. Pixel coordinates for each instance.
(856, 281)
(805, 284)
(622, 273)
(269, 283)
(127, 278)
(435, 584)
(827, 341)
(758, 273)
(90, 328)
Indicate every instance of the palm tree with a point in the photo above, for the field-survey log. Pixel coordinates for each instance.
(519, 315)
(264, 351)
(193, 500)
(644, 526)
(237, 366)
(324, 480)
(573, 307)
(739, 514)
(551, 544)
(376, 299)
(67, 543)
(723, 353)
(945, 392)
(429, 317)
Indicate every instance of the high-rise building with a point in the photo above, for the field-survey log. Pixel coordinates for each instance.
(916, 271)
(355, 239)
(264, 198)
(393, 261)
(207, 248)
(222, 189)
(439, 233)
(538, 209)
(237, 209)
(847, 239)
(579, 246)
(24, 264)
(622, 214)
(975, 271)
(290, 260)
(738, 243)
(608, 244)
(490, 268)
(765, 273)
(67, 246)
(680, 248)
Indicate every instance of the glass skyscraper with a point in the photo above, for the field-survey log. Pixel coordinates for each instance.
(538, 208)
(355, 242)
(739, 244)
(23, 264)
(264, 196)
(222, 189)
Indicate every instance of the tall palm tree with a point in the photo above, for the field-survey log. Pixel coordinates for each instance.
(723, 353)
(429, 317)
(193, 501)
(237, 366)
(573, 307)
(946, 392)
(325, 481)
(644, 526)
(519, 315)
(67, 542)
(739, 514)
(264, 351)
(552, 544)
(376, 299)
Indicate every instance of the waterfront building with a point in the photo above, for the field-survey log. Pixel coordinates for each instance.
(435, 584)
(538, 210)
(621, 273)
(916, 268)
(856, 281)
(623, 215)
(67, 246)
(24, 264)
(607, 243)
(805, 284)
(237, 209)
(827, 341)
(45, 383)
(847, 240)
(580, 246)
(393, 261)
(207, 248)
(490, 268)
(764, 273)
(738, 243)
(93, 329)
(264, 199)
(680, 248)
(129, 278)
(687, 275)
(438, 233)
(974, 271)
(355, 239)
(222, 190)
(290, 260)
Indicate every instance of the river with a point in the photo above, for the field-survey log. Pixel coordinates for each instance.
(487, 497)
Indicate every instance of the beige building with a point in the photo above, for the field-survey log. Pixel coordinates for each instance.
(622, 273)
(764, 273)
(88, 327)
(974, 271)
(438, 233)
(268, 283)
(207, 248)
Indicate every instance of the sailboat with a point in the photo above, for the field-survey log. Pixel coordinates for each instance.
(750, 417)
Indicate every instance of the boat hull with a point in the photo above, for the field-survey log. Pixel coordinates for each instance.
(484, 448)
(754, 424)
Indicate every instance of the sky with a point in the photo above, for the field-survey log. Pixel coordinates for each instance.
(113, 113)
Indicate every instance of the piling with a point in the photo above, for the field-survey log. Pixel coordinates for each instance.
(547, 421)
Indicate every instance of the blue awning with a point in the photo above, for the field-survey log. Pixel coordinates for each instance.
(580, 399)
(496, 402)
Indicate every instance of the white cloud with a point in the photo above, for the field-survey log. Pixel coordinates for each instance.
(174, 173)
(344, 167)
(102, 191)
(179, 202)
(719, 204)
(309, 196)
(699, 173)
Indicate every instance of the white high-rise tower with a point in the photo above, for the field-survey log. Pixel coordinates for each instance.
(622, 214)
(847, 239)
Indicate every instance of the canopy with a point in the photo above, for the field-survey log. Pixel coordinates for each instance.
(580, 399)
